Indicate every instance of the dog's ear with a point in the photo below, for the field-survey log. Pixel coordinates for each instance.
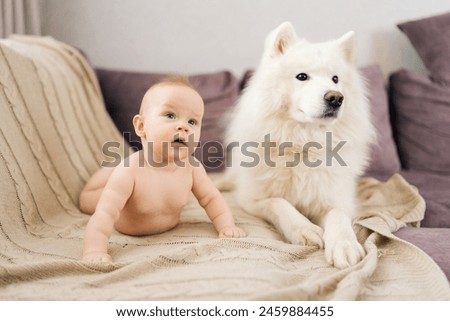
(347, 44)
(279, 39)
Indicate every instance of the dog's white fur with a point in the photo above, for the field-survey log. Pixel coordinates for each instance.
(310, 205)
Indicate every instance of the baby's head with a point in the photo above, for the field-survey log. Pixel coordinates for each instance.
(172, 81)
(171, 111)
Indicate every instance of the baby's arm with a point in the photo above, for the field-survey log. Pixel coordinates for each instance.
(117, 191)
(214, 204)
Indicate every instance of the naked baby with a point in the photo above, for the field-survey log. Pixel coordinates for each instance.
(145, 193)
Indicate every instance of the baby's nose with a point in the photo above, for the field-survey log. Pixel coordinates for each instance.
(182, 127)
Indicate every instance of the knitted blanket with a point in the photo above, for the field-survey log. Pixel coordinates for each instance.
(53, 124)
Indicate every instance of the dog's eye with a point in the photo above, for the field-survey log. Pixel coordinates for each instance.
(302, 76)
(335, 79)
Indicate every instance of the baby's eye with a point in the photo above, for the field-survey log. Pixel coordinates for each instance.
(170, 115)
(192, 122)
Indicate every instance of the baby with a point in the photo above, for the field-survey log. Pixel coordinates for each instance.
(145, 193)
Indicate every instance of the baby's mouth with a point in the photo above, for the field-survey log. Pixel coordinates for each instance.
(179, 141)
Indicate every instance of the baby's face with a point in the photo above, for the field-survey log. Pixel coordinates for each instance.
(172, 115)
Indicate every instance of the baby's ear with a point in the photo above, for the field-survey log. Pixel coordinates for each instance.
(138, 123)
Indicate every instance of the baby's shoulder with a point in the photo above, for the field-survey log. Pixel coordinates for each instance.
(130, 164)
(135, 160)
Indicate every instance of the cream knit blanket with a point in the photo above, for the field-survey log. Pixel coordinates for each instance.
(53, 124)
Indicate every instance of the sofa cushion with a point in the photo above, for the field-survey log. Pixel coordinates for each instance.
(421, 110)
(431, 39)
(433, 241)
(123, 92)
(384, 157)
(435, 189)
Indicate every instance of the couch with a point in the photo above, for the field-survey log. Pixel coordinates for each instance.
(411, 114)
(57, 113)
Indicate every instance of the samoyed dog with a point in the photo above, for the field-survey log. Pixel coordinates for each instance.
(299, 138)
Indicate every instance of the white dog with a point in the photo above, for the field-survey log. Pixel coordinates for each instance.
(299, 138)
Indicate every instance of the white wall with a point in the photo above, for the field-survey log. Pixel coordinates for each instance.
(193, 36)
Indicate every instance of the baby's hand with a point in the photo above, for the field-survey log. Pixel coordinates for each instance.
(97, 257)
(232, 231)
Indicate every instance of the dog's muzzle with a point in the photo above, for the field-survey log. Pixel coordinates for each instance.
(333, 101)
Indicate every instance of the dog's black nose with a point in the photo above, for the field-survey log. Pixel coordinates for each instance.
(334, 99)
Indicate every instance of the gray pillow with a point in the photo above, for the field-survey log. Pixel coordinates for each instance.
(384, 157)
(421, 110)
(431, 39)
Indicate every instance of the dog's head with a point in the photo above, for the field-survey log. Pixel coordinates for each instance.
(310, 79)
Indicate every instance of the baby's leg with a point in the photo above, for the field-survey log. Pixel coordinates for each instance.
(90, 194)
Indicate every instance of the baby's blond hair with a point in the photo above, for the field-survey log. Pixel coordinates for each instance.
(176, 79)
(172, 79)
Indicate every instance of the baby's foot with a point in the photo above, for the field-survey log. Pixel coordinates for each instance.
(232, 231)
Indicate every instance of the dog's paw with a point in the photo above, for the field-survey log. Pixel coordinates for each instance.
(344, 253)
(306, 235)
